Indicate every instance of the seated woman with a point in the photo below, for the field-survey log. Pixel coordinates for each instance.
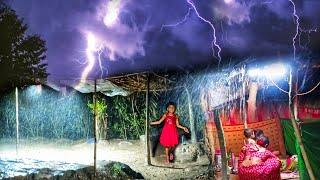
(256, 162)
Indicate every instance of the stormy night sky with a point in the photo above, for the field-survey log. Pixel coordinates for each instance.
(136, 41)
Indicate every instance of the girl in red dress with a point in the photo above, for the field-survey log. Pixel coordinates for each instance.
(169, 137)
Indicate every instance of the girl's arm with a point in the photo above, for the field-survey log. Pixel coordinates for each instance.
(181, 127)
(159, 121)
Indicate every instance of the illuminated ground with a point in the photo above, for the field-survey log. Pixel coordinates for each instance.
(60, 155)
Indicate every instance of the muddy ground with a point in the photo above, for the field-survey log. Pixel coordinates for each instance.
(61, 155)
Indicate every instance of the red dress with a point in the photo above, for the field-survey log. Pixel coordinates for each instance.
(169, 136)
(268, 169)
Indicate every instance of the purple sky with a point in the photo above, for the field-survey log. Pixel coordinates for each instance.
(244, 28)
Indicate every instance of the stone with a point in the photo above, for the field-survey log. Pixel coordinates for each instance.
(44, 173)
(111, 170)
(121, 171)
(188, 152)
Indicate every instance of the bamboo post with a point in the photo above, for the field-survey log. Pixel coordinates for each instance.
(147, 130)
(296, 129)
(295, 100)
(191, 117)
(95, 128)
(17, 121)
(252, 99)
(245, 119)
(222, 143)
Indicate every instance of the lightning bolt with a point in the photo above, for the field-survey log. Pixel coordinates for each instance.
(296, 20)
(110, 18)
(298, 30)
(179, 22)
(92, 48)
(214, 43)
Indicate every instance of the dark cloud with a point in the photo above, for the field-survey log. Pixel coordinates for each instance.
(245, 28)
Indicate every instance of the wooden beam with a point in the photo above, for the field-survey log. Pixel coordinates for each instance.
(222, 143)
(95, 129)
(126, 75)
(147, 131)
(245, 116)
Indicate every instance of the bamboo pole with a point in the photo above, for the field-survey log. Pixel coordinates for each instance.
(295, 100)
(222, 143)
(17, 120)
(147, 130)
(95, 128)
(296, 129)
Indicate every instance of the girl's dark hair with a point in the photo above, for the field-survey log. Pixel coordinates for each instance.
(247, 133)
(170, 103)
(263, 141)
(258, 132)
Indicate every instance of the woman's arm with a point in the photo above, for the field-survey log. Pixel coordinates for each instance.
(181, 127)
(271, 155)
(159, 121)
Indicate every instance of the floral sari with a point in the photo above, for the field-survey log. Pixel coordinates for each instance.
(266, 168)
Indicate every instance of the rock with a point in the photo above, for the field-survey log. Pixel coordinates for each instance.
(111, 170)
(188, 152)
(119, 170)
(45, 173)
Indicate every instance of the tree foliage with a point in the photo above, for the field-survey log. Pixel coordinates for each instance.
(101, 117)
(21, 55)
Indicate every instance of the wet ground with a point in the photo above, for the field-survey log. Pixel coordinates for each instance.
(61, 155)
(23, 167)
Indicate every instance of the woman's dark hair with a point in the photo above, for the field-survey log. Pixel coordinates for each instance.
(170, 103)
(263, 141)
(258, 132)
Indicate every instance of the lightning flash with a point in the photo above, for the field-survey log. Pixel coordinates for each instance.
(92, 48)
(112, 13)
(214, 44)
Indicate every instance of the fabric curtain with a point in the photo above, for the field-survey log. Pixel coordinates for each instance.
(311, 139)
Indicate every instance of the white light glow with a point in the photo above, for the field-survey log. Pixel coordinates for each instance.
(275, 70)
(272, 71)
(39, 89)
(254, 72)
(228, 1)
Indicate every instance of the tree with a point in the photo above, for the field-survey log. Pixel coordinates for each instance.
(21, 55)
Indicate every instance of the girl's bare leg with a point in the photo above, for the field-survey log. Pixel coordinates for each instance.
(171, 153)
(167, 154)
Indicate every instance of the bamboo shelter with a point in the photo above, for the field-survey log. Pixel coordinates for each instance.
(123, 85)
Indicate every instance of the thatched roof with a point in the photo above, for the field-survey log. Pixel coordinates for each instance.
(117, 85)
(138, 82)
